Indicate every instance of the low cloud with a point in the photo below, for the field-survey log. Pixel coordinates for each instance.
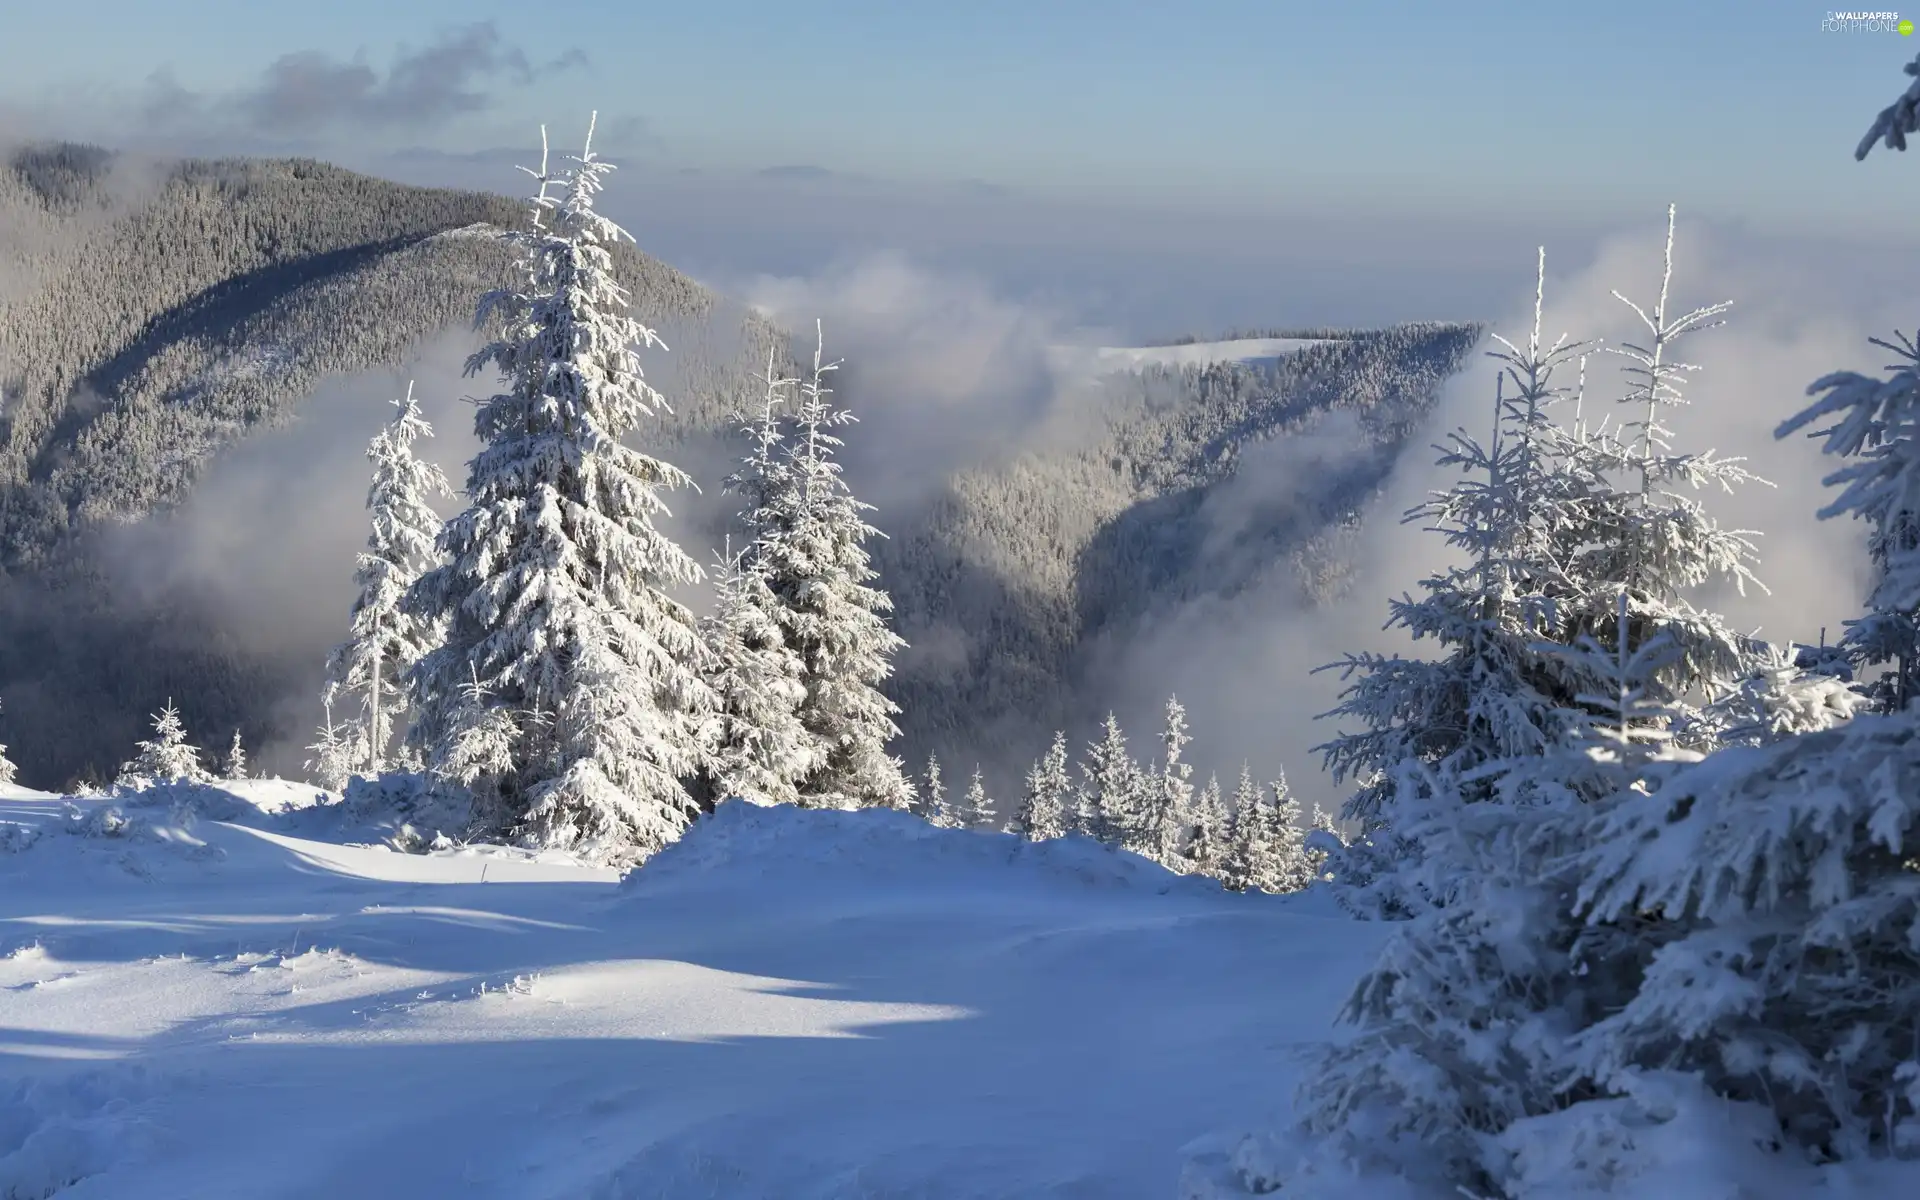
(1244, 665)
(265, 544)
(309, 92)
(944, 371)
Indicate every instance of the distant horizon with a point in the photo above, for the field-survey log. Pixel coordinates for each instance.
(1491, 110)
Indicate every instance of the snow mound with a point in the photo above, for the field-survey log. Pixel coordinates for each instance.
(880, 846)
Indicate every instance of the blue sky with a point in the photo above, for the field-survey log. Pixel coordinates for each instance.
(1747, 110)
(1239, 163)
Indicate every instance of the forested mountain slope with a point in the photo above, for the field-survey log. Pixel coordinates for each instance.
(1021, 578)
(147, 324)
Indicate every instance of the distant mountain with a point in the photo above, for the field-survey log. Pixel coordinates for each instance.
(143, 330)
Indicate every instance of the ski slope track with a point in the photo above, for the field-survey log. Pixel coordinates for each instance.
(235, 1001)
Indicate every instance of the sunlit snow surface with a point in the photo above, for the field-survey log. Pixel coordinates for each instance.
(786, 1004)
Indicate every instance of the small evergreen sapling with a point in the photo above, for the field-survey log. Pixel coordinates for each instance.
(167, 757)
(338, 747)
(236, 765)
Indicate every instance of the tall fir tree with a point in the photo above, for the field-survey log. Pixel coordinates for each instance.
(385, 640)
(556, 584)
(1495, 691)
(812, 553)
(1046, 805)
(1112, 787)
(759, 747)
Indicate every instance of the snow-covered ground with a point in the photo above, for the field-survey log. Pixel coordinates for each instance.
(785, 1004)
(1102, 360)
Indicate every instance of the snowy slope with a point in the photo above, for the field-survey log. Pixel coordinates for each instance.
(786, 1004)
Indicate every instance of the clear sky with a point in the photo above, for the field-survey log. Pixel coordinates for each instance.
(1734, 108)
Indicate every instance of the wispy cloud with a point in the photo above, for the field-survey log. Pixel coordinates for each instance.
(309, 92)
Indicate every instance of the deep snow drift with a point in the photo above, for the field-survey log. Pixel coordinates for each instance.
(785, 1004)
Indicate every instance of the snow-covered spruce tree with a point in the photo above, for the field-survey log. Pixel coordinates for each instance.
(385, 640)
(555, 580)
(757, 749)
(1494, 691)
(975, 810)
(8, 771)
(1766, 897)
(1463, 1024)
(1046, 805)
(1875, 424)
(812, 553)
(236, 765)
(939, 811)
(1249, 864)
(1112, 787)
(476, 750)
(759, 729)
(1206, 850)
(167, 757)
(1650, 535)
(1294, 865)
(1162, 835)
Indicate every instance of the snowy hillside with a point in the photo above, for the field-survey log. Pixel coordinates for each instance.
(1101, 360)
(786, 1003)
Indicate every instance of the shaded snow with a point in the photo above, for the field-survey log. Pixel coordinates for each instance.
(786, 1003)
